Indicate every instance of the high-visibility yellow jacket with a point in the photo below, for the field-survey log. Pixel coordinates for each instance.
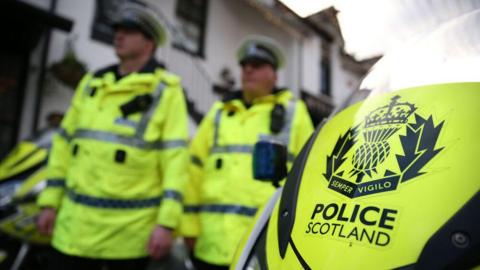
(114, 177)
(222, 196)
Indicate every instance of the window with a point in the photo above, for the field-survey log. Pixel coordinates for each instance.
(325, 77)
(325, 71)
(191, 20)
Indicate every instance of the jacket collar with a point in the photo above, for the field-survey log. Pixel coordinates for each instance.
(237, 94)
(279, 95)
(149, 67)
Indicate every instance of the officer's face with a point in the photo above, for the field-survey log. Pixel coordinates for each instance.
(131, 43)
(258, 77)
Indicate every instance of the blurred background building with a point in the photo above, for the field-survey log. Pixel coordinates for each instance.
(53, 42)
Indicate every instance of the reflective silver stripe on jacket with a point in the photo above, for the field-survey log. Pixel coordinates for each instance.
(142, 125)
(232, 148)
(172, 194)
(98, 202)
(237, 148)
(125, 122)
(63, 133)
(105, 136)
(287, 129)
(169, 144)
(218, 116)
(222, 209)
(87, 89)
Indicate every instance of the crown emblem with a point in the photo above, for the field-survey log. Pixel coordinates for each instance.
(393, 113)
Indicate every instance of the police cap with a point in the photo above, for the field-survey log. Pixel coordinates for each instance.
(260, 48)
(138, 15)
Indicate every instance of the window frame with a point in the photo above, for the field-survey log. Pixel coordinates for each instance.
(202, 27)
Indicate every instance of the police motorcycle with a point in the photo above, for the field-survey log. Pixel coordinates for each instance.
(390, 182)
(22, 178)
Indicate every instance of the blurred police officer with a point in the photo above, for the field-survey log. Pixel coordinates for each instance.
(116, 170)
(224, 195)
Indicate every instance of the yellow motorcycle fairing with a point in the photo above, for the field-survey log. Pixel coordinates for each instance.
(21, 225)
(380, 180)
(23, 157)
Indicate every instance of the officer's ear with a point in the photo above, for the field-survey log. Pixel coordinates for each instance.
(152, 46)
(275, 77)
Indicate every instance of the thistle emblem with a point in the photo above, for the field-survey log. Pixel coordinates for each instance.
(380, 125)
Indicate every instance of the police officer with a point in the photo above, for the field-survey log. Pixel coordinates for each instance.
(224, 196)
(116, 170)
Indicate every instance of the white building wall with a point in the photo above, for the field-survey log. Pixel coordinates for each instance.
(228, 22)
(311, 54)
(344, 82)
